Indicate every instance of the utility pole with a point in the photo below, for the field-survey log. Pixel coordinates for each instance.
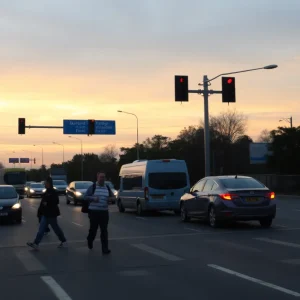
(206, 126)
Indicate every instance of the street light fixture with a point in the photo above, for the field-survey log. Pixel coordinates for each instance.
(72, 137)
(42, 153)
(137, 131)
(206, 93)
(289, 120)
(63, 150)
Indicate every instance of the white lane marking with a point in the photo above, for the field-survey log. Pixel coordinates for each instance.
(29, 261)
(277, 242)
(157, 252)
(234, 245)
(55, 288)
(140, 218)
(77, 224)
(258, 281)
(192, 229)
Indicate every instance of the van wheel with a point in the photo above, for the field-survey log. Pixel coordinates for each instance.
(139, 209)
(120, 206)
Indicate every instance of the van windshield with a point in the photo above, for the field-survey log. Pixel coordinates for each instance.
(167, 180)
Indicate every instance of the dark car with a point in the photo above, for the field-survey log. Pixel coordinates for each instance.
(229, 198)
(35, 189)
(76, 190)
(10, 205)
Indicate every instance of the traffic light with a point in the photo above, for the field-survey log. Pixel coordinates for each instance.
(91, 127)
(21, 126)
(228, 89)
(181, 88)
(34, 160)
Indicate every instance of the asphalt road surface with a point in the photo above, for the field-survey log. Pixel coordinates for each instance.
(153, 257)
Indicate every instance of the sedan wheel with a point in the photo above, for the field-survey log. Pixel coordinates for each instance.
(266, 223)
(212, 218)
(183, 214)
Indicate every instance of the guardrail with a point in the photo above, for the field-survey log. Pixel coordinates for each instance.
(284, 184)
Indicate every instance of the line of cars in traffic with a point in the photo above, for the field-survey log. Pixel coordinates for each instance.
(158, 185)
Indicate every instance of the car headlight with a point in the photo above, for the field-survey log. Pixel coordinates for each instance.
(16, 206)
(54, 187)
(78, 194)
(116, 193)
(25, 189)
(44, 190)
(32, 191)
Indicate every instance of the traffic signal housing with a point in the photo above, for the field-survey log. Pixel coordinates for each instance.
(228, 89)
(34, 161)
(91, 127)
(181, 88)
(21, 127)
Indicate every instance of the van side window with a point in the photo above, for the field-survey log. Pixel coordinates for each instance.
(132, 182)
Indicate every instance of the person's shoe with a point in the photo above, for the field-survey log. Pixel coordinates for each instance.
(63, 245)
(90, 245)
(106, 251)
(33, 245)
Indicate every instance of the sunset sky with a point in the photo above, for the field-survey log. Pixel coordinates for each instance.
(87, 59)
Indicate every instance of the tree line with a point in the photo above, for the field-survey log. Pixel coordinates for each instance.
(229, 151)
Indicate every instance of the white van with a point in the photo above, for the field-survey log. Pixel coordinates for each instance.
(153, 185)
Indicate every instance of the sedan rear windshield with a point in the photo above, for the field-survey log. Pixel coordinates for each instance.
(7, 193)
(241, 183)
(168, 180)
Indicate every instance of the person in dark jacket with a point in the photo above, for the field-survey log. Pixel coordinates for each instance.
(49, 212)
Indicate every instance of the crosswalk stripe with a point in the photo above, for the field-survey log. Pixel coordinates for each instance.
(157, 252)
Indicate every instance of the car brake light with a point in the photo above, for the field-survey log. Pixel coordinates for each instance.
(165, 160)
(228, 196)
(271, 195)
(146, 193)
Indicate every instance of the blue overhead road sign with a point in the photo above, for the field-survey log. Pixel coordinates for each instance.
(13, 160)
(24, 160)
(105, 127)
(75, 127)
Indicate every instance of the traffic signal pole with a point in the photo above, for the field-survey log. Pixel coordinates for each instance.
(206, 92)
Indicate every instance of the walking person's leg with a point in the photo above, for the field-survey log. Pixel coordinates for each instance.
(94, 223)
(58, 231)
(40, 233)
(103, 220)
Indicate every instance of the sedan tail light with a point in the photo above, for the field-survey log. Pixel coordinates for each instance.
(228, 196)
(271, 195)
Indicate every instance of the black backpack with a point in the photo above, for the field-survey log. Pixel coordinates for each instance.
(86, 204)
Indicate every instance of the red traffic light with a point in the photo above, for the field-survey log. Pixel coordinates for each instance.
(181, 80)
(229, 81)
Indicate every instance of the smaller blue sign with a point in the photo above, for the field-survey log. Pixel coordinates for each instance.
(75, 127)
(105, 127)
(13, 160)
(24, 160)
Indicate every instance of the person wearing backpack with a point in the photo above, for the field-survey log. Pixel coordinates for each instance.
(96, 204)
